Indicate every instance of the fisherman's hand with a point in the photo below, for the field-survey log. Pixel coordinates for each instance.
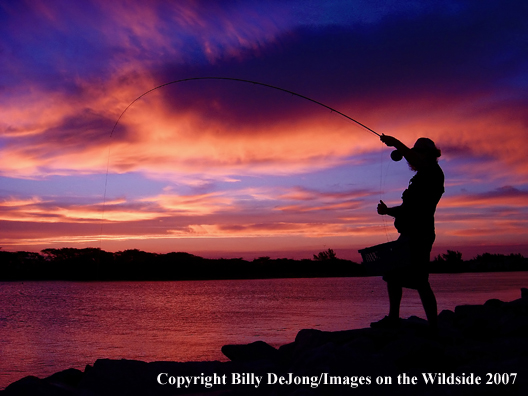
(389, 140)
(382, 208)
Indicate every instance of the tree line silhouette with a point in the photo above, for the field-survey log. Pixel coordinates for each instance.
(94, 264)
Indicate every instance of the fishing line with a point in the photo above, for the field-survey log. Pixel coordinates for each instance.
(381, 190)
(244, 81)
(225, 79)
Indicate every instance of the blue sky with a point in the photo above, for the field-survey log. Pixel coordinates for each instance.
(221, 168)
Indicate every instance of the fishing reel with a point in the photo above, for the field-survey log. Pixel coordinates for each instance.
(396, 156)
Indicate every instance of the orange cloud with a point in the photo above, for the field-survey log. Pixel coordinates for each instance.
(196, 137)
(505, 196)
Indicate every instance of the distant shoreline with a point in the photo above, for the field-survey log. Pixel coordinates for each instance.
(94, 264)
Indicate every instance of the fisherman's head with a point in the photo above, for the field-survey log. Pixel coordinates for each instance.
(427, 150)
(426, 147)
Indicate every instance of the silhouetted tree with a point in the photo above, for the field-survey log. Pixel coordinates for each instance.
(451, 257)
(326, 255)
(96, 264)
(499, 262)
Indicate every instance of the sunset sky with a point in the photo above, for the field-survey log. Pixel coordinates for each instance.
(229, 169)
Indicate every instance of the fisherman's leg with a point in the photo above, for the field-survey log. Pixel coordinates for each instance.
(429, 303)
(395, 296)
(393, 319)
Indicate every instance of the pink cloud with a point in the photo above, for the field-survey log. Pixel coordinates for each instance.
(57, 120)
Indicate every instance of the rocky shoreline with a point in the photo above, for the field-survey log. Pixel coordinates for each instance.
(478, 350)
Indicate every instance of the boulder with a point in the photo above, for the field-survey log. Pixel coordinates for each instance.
(34, 386)
(255, 351)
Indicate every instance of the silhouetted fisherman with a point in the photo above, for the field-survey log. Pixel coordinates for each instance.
(414, 220)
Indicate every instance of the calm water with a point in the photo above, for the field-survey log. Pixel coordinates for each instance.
(46, 327)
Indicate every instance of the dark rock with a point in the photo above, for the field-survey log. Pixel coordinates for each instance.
(114, 377)
(494, 303)
(514, 325)
(131, 377)
(478, 321)
(315, 360)
(67, 378)
(255, 351)
(361, 345)
(410, 352)
(33, 386)
(308, 338)
(286, 351)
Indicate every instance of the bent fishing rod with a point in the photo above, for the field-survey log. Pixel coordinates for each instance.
(244, 81)
(224, 79)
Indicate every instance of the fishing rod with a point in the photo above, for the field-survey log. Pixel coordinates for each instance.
(244, 81)
(225, 79)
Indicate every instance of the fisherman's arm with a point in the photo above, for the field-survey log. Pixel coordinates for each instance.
(384, 210)
(410, 155)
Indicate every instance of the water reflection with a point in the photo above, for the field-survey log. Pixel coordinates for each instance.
(50, 326)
